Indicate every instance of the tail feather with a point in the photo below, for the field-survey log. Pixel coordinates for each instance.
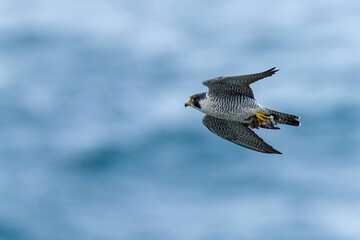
(285, 118)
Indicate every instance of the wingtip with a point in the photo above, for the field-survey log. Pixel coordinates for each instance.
(274, 151)
(273, 70)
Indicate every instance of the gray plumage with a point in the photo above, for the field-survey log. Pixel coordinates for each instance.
(237, 84)
(238, 133)
(232, 111)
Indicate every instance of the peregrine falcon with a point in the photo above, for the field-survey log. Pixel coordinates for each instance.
(231, 111)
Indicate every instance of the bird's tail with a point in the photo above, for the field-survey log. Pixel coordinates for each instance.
(284, 118)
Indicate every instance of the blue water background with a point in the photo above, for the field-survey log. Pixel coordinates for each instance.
(95, 142)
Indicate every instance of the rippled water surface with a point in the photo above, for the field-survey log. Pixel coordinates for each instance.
(95, 142)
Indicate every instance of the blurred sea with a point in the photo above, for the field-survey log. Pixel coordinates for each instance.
(95, 142)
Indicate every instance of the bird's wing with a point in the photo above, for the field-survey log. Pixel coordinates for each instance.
(238, 84)
(238, 133)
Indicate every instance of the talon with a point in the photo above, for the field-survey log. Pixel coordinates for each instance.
(261, 118)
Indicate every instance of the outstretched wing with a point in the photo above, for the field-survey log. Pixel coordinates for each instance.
(238, 84)
(238, 133)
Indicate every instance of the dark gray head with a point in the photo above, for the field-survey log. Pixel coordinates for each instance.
(193, 101)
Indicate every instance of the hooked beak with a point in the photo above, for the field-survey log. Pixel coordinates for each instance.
(188, 102)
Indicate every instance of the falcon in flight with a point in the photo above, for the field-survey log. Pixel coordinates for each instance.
(231, 111)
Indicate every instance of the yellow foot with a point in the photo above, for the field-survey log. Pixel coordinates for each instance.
(261, 118)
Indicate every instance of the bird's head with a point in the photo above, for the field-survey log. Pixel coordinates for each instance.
(196, 100)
